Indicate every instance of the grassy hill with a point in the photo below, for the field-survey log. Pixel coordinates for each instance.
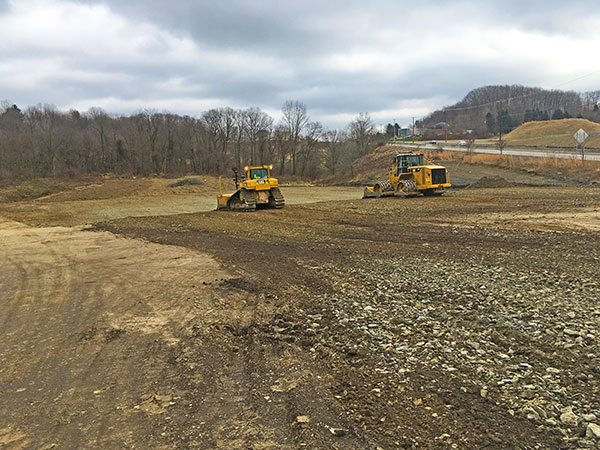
(554, 133)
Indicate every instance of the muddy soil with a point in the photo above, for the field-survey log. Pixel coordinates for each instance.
(466, 321)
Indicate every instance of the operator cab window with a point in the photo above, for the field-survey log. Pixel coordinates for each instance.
(413, 160)
(258, 174)
(404, 162)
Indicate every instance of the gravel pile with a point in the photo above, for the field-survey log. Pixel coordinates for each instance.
(526, 340)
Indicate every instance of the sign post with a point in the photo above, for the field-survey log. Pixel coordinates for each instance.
(580, 138)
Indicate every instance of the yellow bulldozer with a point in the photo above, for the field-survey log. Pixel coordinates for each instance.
(254, 188)
(410, 175)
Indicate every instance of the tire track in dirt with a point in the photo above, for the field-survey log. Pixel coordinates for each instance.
(113, 342)
(69, 298)
(13, 290)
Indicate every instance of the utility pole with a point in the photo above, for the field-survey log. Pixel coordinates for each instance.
(500, 143)
(445, 128)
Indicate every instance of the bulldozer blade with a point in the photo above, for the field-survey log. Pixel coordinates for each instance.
(369, 192)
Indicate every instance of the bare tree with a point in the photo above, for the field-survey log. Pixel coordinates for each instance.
(265, 149)
(281, 143)
(256, 121)
(361, 131)
(310, 156)
(220, 126)
(168, 145)
(240, 132)
(333, 149)
(99, 122)
(45, 123)
(148, 137)
(199, 132)
(295, 118)
(15, 148)
(227, 128)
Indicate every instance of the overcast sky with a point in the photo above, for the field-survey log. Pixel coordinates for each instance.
(393, 59)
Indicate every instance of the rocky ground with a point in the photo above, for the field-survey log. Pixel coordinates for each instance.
(464, 321)
(462, 331)
(491, 330)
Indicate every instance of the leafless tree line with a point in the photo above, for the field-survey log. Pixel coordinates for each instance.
(43, 141)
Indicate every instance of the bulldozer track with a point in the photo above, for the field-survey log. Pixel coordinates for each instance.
(276, 200)
(249, 198)
(243, 200)
(246, 200)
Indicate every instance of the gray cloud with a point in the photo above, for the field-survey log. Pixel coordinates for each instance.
(394, 59)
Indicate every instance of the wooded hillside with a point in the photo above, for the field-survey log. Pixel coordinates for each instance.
(479, 111)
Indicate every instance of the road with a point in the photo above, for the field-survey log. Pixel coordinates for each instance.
(564, 153)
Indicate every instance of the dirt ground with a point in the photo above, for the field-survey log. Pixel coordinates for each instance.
(133, 315)
(116, 198)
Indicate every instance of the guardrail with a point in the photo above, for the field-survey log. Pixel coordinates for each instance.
(492, 149)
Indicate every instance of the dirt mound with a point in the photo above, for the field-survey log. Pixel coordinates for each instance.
(191, 181)
(374, 164)
(376, 161)
(15, 191)
(112, 188)
(554, 133)
(492, 182)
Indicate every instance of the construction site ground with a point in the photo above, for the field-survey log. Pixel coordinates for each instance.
(132, 315)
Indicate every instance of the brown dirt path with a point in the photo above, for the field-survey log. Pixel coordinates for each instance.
(111, 343)
(116, 199)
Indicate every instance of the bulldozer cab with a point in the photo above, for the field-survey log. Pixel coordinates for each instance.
(405, 160)
(258, 174)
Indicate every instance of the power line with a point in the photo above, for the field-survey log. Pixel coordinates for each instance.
(464, 108)
(577, 79)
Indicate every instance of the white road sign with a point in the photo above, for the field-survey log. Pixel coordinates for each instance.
(580, 136)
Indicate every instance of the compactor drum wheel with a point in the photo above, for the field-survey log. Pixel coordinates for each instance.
(383, 186)
(407, 186)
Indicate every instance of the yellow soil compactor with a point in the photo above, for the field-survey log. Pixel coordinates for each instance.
(255, 188)
(410, 175)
